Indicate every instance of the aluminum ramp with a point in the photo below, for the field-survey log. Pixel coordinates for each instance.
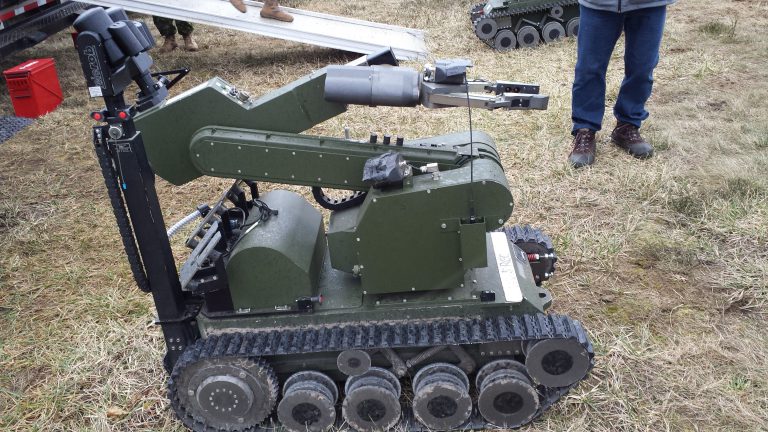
(314, 28)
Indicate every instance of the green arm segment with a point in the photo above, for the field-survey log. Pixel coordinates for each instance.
(209, 130)
(168, 128)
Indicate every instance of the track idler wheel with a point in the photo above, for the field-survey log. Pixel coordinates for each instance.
(372, 400)
(556, 362)
(505, 41)
(308, 404)
(353, 362)
(441, 397)
(572, 28)
(507, 399)
(552, 31)
(528, 37)
(486, 28)
(223, 393)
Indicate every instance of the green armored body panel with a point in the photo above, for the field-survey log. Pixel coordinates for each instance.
(417, 285)
(509, 24)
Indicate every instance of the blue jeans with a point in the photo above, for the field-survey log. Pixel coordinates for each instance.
(598, 32)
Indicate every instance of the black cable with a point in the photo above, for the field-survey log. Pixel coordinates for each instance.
(471, 156)
(265, 213)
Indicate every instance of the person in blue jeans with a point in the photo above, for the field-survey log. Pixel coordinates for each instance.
(601, 24)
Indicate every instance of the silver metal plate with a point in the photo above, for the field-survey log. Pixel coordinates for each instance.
(506, 265)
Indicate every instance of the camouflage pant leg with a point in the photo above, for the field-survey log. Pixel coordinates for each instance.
(166, 28)
(184, 27)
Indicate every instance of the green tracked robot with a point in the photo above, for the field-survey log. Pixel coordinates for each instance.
(509, 24)
(273, 321)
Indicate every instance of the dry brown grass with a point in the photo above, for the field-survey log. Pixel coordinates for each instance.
(665, 261)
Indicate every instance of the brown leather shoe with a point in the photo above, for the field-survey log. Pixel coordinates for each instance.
(584, 148)
(169, 44)
(271, 10)
(189, 43)
(239, 5)
(627, 136)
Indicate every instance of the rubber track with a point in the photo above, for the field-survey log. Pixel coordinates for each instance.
(405, 334)
(118, 208)
(528, 9)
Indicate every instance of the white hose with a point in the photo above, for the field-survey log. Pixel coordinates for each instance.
(182, 223)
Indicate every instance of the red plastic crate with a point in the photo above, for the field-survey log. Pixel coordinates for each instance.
(34, 87)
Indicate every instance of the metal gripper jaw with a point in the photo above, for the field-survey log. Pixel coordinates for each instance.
(446, 85)
(442, 85)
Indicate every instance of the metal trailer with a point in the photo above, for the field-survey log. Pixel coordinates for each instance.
(25, 23)
(313, 28)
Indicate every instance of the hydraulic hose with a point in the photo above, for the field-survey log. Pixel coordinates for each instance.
(188, 219)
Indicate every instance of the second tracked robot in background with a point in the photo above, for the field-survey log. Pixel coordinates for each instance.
(509, 24)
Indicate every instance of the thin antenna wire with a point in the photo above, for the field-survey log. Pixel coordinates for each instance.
(471, 156)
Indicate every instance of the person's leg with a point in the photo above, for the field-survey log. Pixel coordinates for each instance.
(598, 33)
(271, 9)
(185, 30)
(643, 30)
(239, 5)
(164, 26)
(168, 31)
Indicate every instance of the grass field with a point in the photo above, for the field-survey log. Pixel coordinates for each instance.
(665, 261)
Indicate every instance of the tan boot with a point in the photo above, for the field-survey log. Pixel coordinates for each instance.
(272, 10)
(239, 5)
(189, 43)
(169, 44)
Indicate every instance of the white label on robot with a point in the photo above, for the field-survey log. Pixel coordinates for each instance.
(95, 91)
(506, 264)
